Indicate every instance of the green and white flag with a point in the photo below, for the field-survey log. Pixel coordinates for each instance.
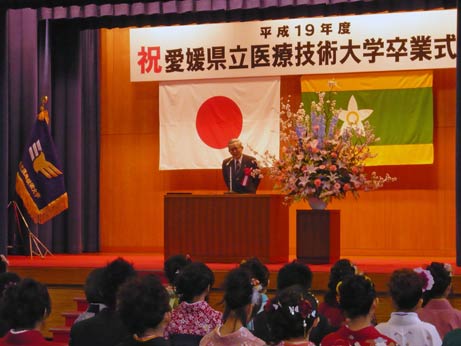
(398, 105)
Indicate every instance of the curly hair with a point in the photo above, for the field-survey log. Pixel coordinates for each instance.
(338, 272)
(193, 280)
(291, 313)
(442, 279)
(406, 288)
(294, 273)
(356, 295)
(237, 293)
(142, 303)
(25, 304)
(257, 269)
(173, 265)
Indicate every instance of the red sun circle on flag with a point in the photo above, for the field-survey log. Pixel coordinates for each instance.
(218, 120)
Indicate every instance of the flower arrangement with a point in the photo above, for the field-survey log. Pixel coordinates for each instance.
(320, 156)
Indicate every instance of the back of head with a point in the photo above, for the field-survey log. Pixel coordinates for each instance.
(173, 265)
(406, 289)
(294, 273)
(338, 272)
(25, 304)
(257, 269)
(8, 279)
(93, 286)
(194, 280)
(291, 314)
(356, 295)
(237, 294)
(142, 303)
(441, 274)
(113, 276)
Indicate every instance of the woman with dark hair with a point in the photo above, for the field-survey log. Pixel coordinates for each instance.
(172, 268)
(357, 300)
(292, 314)
(237, 299)
(25, 305)
(193, 317)
(406, 288)
(6, 279)
(143, 305)
(436, 309)
(330, 306)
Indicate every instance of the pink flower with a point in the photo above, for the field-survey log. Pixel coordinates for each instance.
(334, 155)
(322, 166)
(346, 187)
(317, 182)
(333, 168)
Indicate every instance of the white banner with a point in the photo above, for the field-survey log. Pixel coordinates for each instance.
(198, 118)
(359, 43)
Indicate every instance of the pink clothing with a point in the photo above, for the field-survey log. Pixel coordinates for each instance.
(241, 337)
(297, 343)
(193, 318)
(26, 338)
(368, 336)
(333, 314)
(441, 314)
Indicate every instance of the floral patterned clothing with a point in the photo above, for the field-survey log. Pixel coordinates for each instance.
(193, 318)
(241, 337)
(441, 314)
(368, 336)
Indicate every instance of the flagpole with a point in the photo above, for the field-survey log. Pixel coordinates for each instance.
(34, 241)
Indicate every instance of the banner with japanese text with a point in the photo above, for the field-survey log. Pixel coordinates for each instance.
(320, 45)
(398, 105)
(198, 118)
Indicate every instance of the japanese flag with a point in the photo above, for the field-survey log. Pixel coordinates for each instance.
(198, 118)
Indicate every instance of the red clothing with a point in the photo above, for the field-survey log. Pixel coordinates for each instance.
(333, 314)
(441, 314)
(368, 336)
(26, 338)
(196, 318)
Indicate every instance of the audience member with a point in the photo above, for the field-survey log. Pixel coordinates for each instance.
(406, 289)
(25, 306)
(294, 273)
(259, 281)
(6, 279)
(436, 309)
(105, 328)
(237, 299)
(172, 267)
(452, 338)
(292, 314)
(193, 317)
(357, 299)
(330, 306)
(93, 295)
(143, 304)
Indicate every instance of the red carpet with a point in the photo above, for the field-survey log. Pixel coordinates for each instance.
(154, 262)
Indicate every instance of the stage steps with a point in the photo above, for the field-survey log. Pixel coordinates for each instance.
(62, 334)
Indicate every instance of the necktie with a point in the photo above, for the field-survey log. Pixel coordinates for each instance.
(237, 165)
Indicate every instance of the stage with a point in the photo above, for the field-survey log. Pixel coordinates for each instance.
(65, 275)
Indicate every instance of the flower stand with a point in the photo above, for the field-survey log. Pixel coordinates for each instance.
(317, 236)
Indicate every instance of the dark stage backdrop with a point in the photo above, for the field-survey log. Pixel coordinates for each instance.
(50, 47)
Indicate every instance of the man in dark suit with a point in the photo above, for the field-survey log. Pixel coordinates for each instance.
(240, 172)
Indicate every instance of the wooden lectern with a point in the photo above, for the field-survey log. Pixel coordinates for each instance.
(317, 236)
(226, 228)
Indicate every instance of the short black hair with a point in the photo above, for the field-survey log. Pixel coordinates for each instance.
(257, 269)
(294, 273)
(237, 293)
(193, 280)
(25, 303)
(173, 265)
(338, 272)
(142, 303)
(113, 276)
(92, 286)
(356, 295)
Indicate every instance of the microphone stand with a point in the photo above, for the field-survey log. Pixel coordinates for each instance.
(230, 178)
(41, 249)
